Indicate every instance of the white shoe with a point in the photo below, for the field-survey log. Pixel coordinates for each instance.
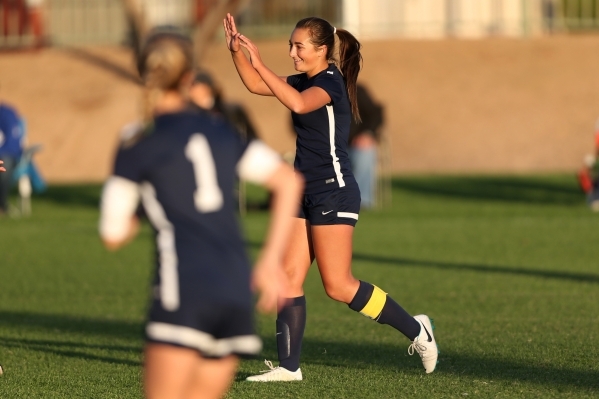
(425, 344)
(276, 374)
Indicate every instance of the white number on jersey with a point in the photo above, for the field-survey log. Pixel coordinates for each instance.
(208, 196)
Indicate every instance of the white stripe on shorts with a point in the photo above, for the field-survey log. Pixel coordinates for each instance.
(204, 342)
(347, 215)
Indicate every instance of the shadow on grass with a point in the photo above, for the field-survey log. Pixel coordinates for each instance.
(72, 349)
(560, 275)
(493, 188)
(61, 324)
(370, 355)
(64, 325)
(360, 355)
(473, 267)
(87, 195)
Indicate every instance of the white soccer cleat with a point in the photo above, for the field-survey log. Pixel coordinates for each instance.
(425, 344)
(276, 374)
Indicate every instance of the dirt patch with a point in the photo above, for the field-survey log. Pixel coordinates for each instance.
(484, 106)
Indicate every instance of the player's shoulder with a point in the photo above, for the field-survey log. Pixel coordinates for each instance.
(331, 73)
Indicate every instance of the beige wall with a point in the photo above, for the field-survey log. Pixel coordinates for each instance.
(484, 106)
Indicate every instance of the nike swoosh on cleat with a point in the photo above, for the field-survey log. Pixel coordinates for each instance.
(324, 213)
(430, 339)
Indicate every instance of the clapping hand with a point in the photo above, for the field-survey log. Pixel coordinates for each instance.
(231, 34)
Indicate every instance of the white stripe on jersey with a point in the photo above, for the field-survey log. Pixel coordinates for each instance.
(165, 242)
(206, 343)
(258, 163)
(349, 215)
(120, 197)
(336, 165)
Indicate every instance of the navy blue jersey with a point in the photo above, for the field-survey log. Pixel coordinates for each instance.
(186, 171)
(12, 132)
(322, 135)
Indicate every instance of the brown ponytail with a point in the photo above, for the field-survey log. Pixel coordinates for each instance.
(322, 33)
(350, 63)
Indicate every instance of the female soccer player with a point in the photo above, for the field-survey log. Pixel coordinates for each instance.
(322, 99)
(183, 166)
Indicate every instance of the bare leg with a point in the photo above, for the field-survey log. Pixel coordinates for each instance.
(298, 257)
(212, 378)
(333, 250)
(171, 372)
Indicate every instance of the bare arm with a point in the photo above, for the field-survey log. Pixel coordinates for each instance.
(250, 78)
(286, 187)
(263, 166)
(298, 102)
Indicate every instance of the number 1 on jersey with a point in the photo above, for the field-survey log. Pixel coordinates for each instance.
(208, 196)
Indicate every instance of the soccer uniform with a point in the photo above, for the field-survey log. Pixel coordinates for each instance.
(184, 171)
(331, 194)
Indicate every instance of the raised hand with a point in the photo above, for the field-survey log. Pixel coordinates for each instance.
(270, 282)
(2, 167)
(252, 49)
(231, 34)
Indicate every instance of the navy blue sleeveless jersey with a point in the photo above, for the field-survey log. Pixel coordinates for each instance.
(322, 135)
(186, 171)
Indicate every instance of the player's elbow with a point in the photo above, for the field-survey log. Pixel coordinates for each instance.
(253, 89)
(299, 109)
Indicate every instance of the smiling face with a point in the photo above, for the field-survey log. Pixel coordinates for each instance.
(306, 57)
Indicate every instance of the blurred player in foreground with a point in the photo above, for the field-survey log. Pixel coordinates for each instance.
(322, 99)
(183, 167)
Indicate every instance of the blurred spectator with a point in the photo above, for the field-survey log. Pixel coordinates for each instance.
(548, 10)
(588, 176)
(363, 140)
(207, 95)
(36, 20)
(14, 17)
(11, 148)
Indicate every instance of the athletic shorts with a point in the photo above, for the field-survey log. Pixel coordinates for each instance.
(214, 330)
(337, 206)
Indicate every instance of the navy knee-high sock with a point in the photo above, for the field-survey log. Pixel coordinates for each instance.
(372, 302)
(291, 322)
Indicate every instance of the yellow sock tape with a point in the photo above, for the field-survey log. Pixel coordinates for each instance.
(375, 304)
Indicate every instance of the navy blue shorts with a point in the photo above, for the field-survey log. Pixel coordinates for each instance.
(214, 329)
(337, 206)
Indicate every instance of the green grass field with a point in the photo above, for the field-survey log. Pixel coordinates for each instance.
(507, 266)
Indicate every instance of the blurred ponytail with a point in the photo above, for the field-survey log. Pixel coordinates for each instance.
(163, 62)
